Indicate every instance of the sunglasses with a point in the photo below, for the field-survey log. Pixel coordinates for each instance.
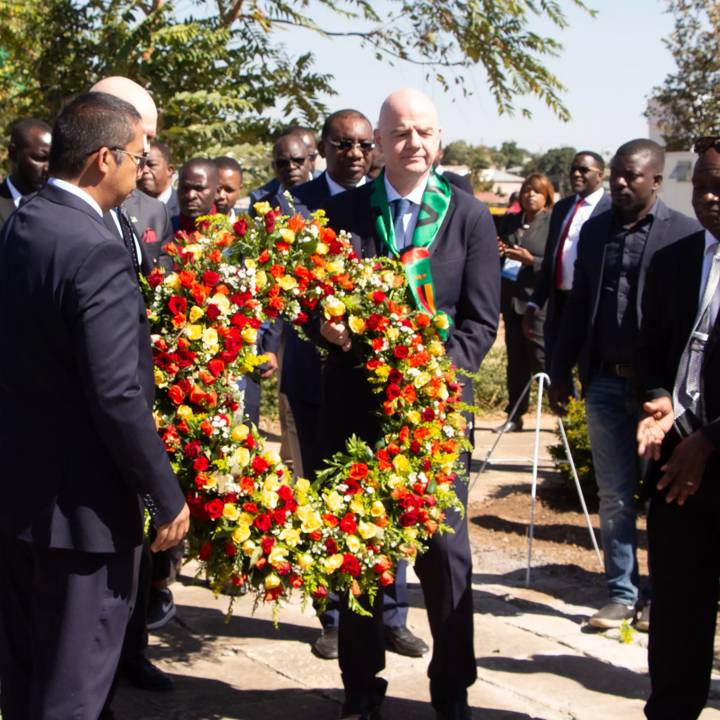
(705, 143)
(287, 162)
(344, 145)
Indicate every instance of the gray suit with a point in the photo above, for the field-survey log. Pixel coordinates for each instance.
(152, 226)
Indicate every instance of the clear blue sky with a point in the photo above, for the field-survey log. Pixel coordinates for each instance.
(609, 65)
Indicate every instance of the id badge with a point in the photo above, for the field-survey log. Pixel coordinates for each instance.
(511, 269)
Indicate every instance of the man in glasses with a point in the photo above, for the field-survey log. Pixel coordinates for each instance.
(347, 144)
(148, 217)
(599, 333)
(74, 321)
(554, 281)
(678, 375)
(308, 137)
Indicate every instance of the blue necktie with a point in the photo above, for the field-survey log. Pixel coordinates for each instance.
(400, 208)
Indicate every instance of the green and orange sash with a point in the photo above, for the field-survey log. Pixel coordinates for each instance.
(416, 259)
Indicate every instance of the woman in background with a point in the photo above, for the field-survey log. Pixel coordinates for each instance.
(522, 246)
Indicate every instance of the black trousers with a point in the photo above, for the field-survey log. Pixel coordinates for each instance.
(524, 358)
(684, 557)
(445, 573)
(62, 620)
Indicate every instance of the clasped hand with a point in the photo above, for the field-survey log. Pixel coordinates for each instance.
(337, 334)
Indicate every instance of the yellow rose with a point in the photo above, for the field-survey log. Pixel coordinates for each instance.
(222, 302)
(393, 334)
(414, 417)
(194, 332)
(239, 432)
(441, 321)
(353, 543)
(291, 536)
(249, 335)
(305, 561)
(211, 481)
(336, 266)
(287, 282)
(246, 519)
(270, 499)
(248, 548)
(401, 464)
(302, 486)
(172, 281)
(160, 378)
(260, 279)
(422, 379)
(262, 208)
(195, 313)
(332, 563)
(436, 348)
(383, 371)
(250, 264)
(240, 458)
(277, 555)
(322, 248)
(241, 534)
(367, 530)
(377, 509)
(357, 505)
(334, 501)
(357, 325)
(333, 308)
(287, 235)
(274, 459)
(210, 339)
(312, 523)
(230, 512)
(272, 580)
(184, 412)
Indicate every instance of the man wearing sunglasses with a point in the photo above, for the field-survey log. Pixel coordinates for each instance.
(678, 376)
(346, 143)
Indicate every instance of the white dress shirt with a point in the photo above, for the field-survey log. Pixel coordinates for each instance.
(14, 192)
(711, 243)
(165, 195)
(336, 188)
(571, 241)
(78, 192)
(415, 198)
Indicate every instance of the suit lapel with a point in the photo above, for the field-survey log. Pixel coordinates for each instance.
(597, 243)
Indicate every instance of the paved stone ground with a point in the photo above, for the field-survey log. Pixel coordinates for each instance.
(536, 658)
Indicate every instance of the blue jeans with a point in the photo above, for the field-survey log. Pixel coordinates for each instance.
(612, 417)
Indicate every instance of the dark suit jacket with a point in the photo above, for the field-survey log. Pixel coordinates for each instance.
(173, 210)
(461, 182)
(77, 436)
(152, 227)
(575, 342)
(466, 274)
(7, 206)
(670, 304)
(270, 189)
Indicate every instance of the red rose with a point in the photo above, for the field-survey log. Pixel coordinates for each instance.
(401, 352)
(250, 507)
(378, 297)
(205, 551)
(279, 515)
(387, 578)
(358, 472)
(230, 550)
(177, 304)
(192, 449)
(296, 581)
(262, 522)
(351, 565)
(201, 463)
(331, 546)
(285, 493)
(216, 367)
(212, 312)
(330, 520)
(267, 544)
(392, 391)
(260, 465)
(211, 278)
(214, 508)
(320, 592)
(409, 518)
(176, 394)
(240, 227)
(270, 222)
(155, 277)
(348, 523)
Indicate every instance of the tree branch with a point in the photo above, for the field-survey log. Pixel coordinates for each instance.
(232, 14)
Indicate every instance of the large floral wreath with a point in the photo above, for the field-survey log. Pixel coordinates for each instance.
(253, 525)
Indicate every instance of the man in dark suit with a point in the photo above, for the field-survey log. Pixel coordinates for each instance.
(28, 153)
(554, 280)
(73, 319)
(346, 143)
(599, 332)
(678, 372)
(157, 177)
(461, 244)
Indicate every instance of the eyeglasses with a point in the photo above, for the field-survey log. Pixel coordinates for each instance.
(139, 160)
(344, 145)
(287, 162)
(705, 143)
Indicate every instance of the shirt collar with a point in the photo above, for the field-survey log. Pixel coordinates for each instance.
(14, 192)
(593, 198)
(165, 195)
(78, 192)
(335, 188)
(414, 197)
(711, 241)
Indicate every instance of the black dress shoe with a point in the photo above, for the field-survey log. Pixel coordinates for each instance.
(401, 641)
(459, 710)
(326, 646)
(144, 675)
(509, 426)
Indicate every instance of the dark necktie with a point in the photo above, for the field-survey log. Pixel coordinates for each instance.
(401, 206)
(128, 236)
(561, 243)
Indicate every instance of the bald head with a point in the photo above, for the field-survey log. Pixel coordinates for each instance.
(408, 136)
(136, 95)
